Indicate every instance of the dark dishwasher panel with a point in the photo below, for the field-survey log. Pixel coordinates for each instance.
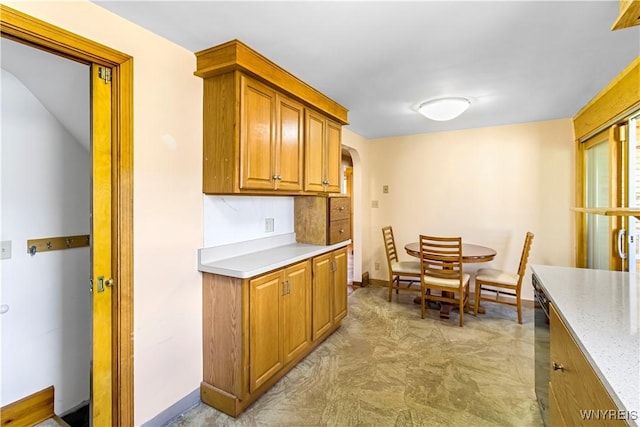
(541, 348)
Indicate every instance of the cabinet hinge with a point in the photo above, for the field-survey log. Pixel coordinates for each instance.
(105, 74)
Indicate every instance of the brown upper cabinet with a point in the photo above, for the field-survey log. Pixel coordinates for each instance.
(265, 131)
(628, 16)
(323, 142)
(271, 144)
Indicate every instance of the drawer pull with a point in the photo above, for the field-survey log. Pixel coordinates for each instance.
(558, 367)
(341, 230)
(341, 208)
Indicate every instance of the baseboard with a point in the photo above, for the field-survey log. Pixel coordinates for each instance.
(174, 411)
(29, 410)
(379, 282)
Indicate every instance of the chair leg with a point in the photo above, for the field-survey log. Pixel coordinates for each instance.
(461, 309)
(519, 308)
(391, 280)
(476, 298)
(422, 302)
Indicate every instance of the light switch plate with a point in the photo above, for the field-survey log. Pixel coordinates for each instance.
(374, 203)
(5, 252)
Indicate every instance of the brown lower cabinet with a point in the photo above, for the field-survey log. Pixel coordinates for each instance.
(329, 291)
(574, 388)
(255, 330)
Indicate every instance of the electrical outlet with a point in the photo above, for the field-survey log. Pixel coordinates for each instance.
(385, 189)
(5, 252)
(374, 203)
(268, 225)
(377, 265)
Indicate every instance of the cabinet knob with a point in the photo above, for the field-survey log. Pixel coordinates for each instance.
(558, 367)
(341, 208)
(341, 230)
(325, 182)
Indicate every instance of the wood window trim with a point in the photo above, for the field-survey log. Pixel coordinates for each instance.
(619, 99)
(25, 29)
(615, 104)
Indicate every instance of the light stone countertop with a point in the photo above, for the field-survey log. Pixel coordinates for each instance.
(249, 259)
(602, 311)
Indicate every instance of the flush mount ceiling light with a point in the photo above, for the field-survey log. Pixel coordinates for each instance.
(443, 109)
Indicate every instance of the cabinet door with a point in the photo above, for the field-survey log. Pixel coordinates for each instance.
(315, 137)
(257, 135)
(555, 411)
(333, 157)
(289, 145)
(340, 285)
(265, 328)
(296, 309)
(576, 387)
(322, 295)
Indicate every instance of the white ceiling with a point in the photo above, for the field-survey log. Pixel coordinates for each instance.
(518, 61)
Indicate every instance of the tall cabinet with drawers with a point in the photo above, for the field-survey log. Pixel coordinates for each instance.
(322, 220)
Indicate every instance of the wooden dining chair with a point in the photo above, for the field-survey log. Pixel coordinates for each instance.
(503, 282)
(399, 270)
(441, 270)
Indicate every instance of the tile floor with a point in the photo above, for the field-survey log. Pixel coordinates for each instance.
(388, 367)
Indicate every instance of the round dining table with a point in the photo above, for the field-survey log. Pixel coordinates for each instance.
(470, 254)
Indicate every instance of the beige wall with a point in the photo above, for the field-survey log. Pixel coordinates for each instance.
(488, 185)
(168, 201)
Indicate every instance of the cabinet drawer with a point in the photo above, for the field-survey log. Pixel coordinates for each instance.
(339, 208)
(339, 231)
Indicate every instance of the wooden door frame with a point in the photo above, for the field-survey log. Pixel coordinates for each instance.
(25, 29)
(617, 176)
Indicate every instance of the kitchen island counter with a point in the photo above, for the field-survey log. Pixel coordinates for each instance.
(601, 309)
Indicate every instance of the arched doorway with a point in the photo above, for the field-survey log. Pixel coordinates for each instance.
(347, 188)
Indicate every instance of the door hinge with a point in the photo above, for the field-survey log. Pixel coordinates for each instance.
(622, 129)
(105, 74)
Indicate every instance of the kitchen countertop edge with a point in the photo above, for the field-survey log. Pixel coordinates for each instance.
(256, 263)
